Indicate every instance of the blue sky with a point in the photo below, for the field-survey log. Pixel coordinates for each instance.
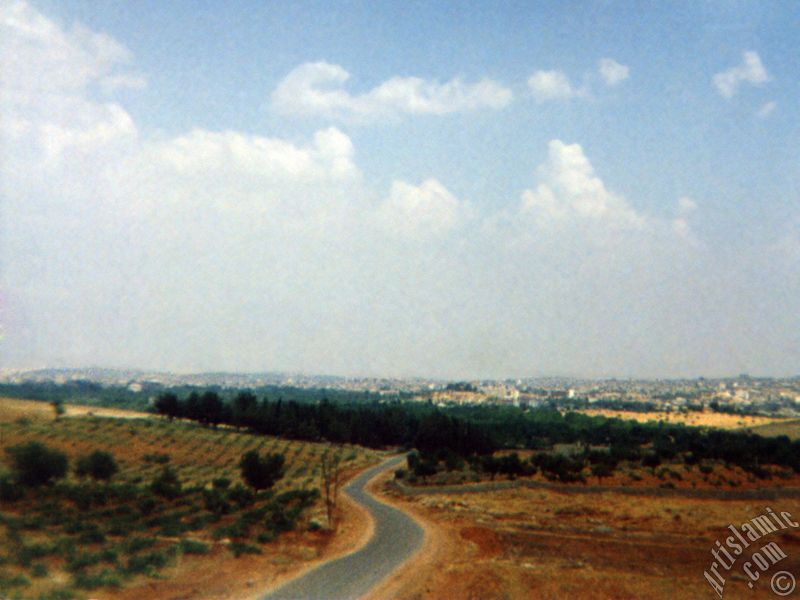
(448, 189)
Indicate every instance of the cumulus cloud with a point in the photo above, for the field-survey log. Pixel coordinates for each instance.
(227, 250)
(427, 209)
(612, 72)
(568, 189)
(550, 85)
(318, 89)
(749, 71)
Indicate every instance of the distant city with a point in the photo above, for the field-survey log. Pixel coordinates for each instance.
(741, 394)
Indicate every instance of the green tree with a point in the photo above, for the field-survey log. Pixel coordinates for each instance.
(58, 408)
(261, 473)
(35, 464)
(97, 465)
(167, 404)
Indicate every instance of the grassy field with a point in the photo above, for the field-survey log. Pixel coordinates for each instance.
(787, 427)
(76, 536)
(693, 418)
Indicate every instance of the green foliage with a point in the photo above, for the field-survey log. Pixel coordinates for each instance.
(92, 581)
(221, 483)
(241, 496)
(239, 548)
(35, 464)
(9, 582)
(193, 547)
(137, 544)
(167, 485)
(215, 502)
(10, 491)
(262, 473)
(98, 465)
(148, 563)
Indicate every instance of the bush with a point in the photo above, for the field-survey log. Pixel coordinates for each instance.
(193, 547)
(10, 491)
(98, 465)
(241, 496)
(215, 502)
(138, 544)
(82, 560)
(157, 458)
(221, 483)
(167, 484)
(261, 473)
(92, 581)
(35, 464)
(239, 548)
(147, 563)
(146, 505)
(39, 570)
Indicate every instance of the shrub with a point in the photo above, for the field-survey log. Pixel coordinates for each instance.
(92, 536)
(146, 505)
(147, 563)
(239, 548)
(193, 547)
(215, 502)
(98, 465)
(241, 496)
(10, 491)
(138, 544)
(92, 581)
(167, 484)
(221, 483)
(8, 581)
(79, 562)
(39, 570)
(35, 464)
(261, 473)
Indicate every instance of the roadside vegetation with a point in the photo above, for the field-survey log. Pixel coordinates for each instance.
(96, 503)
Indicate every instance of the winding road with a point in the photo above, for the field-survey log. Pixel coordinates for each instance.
(396, 537)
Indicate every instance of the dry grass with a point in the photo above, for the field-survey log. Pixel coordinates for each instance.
(524, 543)
(694, 418)
(789, 427)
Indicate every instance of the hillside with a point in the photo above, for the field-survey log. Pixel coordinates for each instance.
(79, 535)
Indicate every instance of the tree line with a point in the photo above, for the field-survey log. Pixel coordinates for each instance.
(470, 431)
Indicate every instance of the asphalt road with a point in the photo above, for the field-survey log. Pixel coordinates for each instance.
(395, 539)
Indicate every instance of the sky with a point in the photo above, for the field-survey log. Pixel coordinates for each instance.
(451, 190)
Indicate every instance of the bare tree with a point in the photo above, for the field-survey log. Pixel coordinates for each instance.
(330, 473)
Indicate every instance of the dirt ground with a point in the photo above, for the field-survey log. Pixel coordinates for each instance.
(524, 543)
(219, 576)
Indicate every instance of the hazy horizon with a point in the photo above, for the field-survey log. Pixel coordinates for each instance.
(424, 190)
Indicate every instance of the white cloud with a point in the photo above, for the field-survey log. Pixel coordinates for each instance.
(550, 85)
(36, 54)
(613, 72)
(427, 209)
(568, 189)
(318, 89)
(227, 250)
(766, 110)
(749, 71)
